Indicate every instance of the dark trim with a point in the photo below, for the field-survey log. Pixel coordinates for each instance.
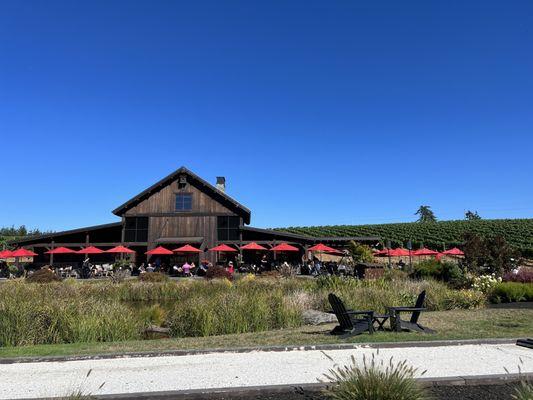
(79, 244)
(182, 214)
(69, 232)
(204, 185)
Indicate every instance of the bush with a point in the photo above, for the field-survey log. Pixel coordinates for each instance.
(440, 270)
(524, 275)
(485, 283)
(374, 381)
(510, 292)
(153, 277)
(216, 272)
(43, 275)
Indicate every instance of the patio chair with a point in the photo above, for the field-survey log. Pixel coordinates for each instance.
(399, 325)
(350, 322)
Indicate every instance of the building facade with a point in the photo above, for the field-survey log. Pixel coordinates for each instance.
(180, 209)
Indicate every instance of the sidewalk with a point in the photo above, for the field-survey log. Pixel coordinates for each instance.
(243, 369)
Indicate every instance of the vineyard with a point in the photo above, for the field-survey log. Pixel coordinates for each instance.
(518, 232)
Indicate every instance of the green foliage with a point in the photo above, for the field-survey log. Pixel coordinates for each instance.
(79, 312)
(488, 254)
(472, 216)
(425, 214)
(12, 233)
(374, 380)
(517, 232)
(440, 270)
(510, 292)
(360, 253)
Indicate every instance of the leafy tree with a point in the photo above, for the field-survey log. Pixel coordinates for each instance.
(488, 254)
(425, 214)
(472, 216)
(360, 253)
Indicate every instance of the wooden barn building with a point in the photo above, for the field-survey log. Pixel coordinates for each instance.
(180, 209)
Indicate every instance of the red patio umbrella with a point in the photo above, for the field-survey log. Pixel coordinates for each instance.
(425, 252)
(253, 246)
(23, 253)
(399, 252)
(223, 248)
(187, 249)
(453, 252)
(90, 250)
(161, 251)
(382, 252)
(322, 248)
(6, 254)
(60, 250)
(120, 249)
(284, 247)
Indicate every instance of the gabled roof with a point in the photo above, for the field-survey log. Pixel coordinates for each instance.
(203, 185)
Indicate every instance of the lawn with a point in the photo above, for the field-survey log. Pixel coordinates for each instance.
(455, 324)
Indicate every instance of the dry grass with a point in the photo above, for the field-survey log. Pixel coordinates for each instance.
(458, 324)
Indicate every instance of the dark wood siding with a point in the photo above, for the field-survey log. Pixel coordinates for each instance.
(163, 201)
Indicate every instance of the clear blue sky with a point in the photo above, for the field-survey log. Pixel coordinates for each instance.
(317, 112)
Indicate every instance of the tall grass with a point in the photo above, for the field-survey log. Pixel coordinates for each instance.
(76, 311)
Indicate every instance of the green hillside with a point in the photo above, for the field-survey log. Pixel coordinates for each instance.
(518, 232)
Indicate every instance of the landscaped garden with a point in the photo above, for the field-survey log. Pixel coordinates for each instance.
(84, 317)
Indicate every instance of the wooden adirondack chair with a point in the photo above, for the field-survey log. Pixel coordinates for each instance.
(350, 322)
(398, 324)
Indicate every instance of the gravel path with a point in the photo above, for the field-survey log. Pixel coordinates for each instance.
(218, 370)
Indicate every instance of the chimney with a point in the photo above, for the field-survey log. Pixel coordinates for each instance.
(221, 183)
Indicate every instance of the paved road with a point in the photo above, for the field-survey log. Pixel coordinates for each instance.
(217, 370)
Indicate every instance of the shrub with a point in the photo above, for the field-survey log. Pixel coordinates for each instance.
(440, 270)
(153, 277)
(374, 380)
(485, 283)
(510, 292)
(524, 275)
(216, 272)
(43, 275)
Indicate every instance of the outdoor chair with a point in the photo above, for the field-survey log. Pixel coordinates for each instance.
(399, 325)
(350, 322)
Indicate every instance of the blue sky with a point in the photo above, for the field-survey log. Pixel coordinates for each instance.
(317, 112)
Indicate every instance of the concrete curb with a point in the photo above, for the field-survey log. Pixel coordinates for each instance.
(339, 346)
(252, 391)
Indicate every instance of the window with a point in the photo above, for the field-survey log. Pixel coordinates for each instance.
(183, 202)
(228, 228)
(136, 229)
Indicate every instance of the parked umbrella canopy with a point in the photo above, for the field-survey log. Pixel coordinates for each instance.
(383, 252)
(453, 252)
(253, 246)
(90, 250)
(61, 250)
(160, 251)
(284, 247)
(425, 252)
(120, 249)
(323, 248)
(6, 254)
(187, 249)
(23, 253)
(223, 248)
(399, 252)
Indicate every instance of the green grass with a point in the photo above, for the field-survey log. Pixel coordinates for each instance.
(457, 324)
